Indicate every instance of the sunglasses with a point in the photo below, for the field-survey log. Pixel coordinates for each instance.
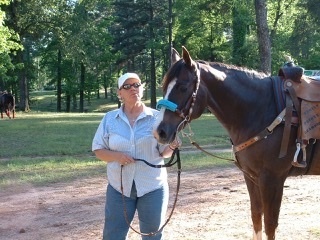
(128, 86)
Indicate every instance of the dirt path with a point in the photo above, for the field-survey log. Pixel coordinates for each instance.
(212, 205)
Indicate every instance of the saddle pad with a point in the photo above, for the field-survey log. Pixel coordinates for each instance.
(310, 117)
(279, 93)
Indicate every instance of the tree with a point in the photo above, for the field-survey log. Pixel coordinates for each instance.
(8, 43)
(263, 35)
(90, 45)
(241, 20)
(304, 40)
(83, 45)
(140, 31)
(31, 20)
(203, 26)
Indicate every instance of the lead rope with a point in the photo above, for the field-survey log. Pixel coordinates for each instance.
(190, 134)
(169, 164)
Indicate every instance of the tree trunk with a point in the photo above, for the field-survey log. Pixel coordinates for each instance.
(68, 101)
(23, 85)
(59, 77)
(170, 33)
(153, 97)
(153, 94)
(105, 86)
(82, 80)
(74, 102)
(263, 35)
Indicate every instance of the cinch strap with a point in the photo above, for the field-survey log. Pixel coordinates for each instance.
(166, 104)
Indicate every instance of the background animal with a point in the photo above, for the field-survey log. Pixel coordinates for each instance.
(7, 104)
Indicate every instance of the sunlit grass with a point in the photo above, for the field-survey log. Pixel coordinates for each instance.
(39, 171)
(49, 170)
(42, 146)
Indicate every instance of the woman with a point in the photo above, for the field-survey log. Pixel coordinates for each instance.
(124, 135)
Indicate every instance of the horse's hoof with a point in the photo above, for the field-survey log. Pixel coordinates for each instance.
(303, 164)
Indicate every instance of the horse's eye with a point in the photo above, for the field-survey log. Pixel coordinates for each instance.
(183, 88)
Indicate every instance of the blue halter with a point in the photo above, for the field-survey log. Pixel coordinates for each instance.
(166, 104)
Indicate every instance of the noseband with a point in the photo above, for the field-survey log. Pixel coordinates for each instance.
(187, 110)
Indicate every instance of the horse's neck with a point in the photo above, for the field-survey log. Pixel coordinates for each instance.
(231, 87)
(238, 99)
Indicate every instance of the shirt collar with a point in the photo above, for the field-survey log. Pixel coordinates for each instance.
(146, 112)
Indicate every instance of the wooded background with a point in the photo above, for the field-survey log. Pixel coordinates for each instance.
(79, 47)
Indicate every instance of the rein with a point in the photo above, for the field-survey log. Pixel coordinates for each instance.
(168, 164)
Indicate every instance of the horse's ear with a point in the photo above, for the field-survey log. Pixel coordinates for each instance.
(174, 56)
(187, 58)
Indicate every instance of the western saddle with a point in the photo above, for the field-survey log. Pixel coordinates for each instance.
(302, 98)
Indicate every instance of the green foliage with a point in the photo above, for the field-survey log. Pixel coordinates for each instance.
(304, 41)
(8, 44)
(8, 37)
(110, 37)
(241, 20)
(203, 27)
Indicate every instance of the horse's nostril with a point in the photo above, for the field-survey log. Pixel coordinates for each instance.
(162, 134)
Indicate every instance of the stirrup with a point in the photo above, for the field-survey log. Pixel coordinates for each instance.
(303, 164)
(295, 162)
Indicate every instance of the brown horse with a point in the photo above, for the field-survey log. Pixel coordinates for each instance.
(7, 104)
(244, 102)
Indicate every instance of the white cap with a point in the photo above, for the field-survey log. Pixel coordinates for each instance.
(126, 76)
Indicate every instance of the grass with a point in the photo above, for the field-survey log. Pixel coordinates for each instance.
(208, 131)
(48, 134)
(46, 147)
(41, 171)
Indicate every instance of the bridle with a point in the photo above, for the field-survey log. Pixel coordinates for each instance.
(170, 163)
(185, 112)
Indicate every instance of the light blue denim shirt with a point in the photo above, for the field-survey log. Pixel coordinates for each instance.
(115, 133)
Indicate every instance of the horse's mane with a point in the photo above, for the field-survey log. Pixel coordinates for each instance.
(243, 70)
(176, 68)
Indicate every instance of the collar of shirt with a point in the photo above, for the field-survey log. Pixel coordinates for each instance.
(146, 112)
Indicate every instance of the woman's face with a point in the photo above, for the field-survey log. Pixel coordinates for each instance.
(131, 91)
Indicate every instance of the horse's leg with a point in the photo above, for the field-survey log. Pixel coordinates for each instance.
(256, 208)
(271, 189)
(8, 113)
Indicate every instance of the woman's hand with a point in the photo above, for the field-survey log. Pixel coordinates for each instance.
(111, 156)
(125, 159)
(176, 143)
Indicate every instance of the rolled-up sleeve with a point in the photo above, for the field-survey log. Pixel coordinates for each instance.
(100, 140)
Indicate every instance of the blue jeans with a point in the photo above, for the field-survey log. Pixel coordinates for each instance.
(151, 209)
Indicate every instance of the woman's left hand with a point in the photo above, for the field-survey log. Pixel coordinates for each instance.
(176, 143)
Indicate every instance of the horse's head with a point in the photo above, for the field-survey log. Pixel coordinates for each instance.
(180, 105)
